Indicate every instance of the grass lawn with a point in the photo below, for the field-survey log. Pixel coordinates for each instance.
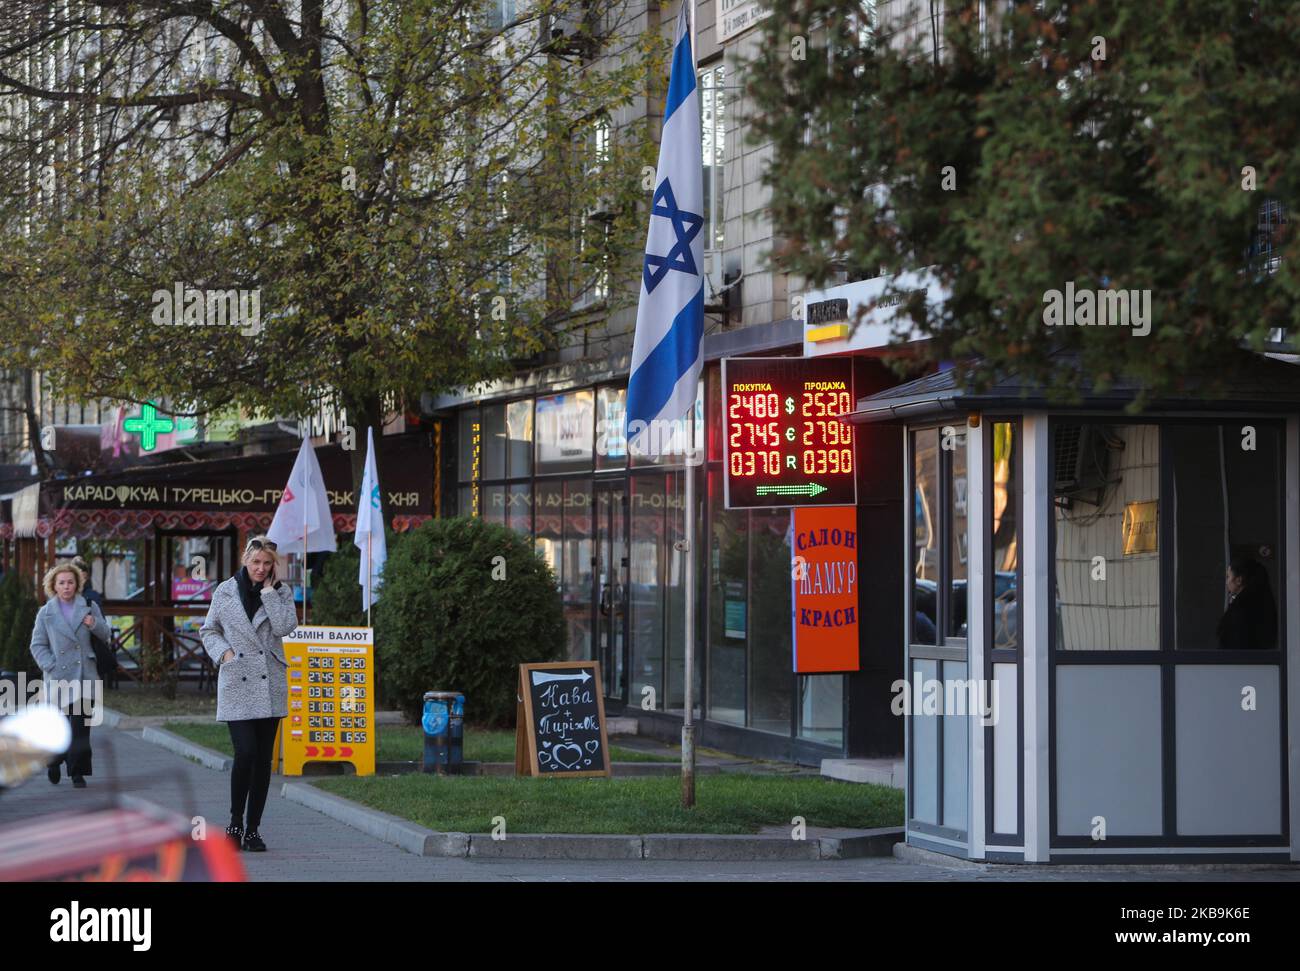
(149, 700)
(405, 743)
(725, 803)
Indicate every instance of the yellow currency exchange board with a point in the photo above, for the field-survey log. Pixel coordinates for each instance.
(331, 698)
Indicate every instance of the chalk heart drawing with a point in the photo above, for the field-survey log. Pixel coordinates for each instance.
(543, 758)
(567, 755)
(546, 745)
(592, 746)
(586, 761)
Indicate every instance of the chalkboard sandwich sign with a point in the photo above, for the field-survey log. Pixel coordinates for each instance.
(560, 720)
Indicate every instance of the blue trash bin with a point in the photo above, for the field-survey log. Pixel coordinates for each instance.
(443, 724)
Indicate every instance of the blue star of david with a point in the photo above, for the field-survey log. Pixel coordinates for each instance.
(686, 226)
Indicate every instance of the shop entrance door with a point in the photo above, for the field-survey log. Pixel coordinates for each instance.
(610, 576)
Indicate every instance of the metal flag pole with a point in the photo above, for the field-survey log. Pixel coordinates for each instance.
(369, 596)
(688, 550)
(304, 571)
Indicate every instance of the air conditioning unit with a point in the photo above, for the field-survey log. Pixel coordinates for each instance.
(1081, 463)
(604, 208)
(713, 295)
(569, 32)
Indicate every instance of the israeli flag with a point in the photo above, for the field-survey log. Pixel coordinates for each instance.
(666, 351)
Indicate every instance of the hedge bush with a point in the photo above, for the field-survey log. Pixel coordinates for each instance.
(18, 609)
(465, 602)
(335, 594)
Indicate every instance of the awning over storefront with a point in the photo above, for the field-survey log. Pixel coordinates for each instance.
(220, 494)
(1257, 385)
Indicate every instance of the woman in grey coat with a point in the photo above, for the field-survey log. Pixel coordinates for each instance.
(61, 647)
(248, 615)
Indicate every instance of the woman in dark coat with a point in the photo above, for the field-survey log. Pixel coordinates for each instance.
(61, 647)
(248, 616)
(1250, 622)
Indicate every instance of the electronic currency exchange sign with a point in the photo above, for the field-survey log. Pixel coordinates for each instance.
(782, 442)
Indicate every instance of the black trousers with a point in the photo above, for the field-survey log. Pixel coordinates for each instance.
(250, 778)
(77, 758)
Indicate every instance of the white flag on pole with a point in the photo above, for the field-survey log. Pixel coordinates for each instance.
(304, 505)
(370, 529)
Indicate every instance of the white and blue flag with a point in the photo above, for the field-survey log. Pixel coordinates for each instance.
(370, 529)
(666, 352)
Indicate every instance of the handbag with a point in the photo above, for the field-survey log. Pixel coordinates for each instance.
(105, 654)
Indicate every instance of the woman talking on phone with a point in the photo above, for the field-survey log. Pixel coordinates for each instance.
(248, 616)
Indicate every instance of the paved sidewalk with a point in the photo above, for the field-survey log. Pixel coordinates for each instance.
(306, 846)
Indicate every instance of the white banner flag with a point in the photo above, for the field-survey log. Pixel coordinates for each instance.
(304, 506)
(370, 529)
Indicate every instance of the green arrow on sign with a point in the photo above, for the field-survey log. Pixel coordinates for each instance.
(811, 489)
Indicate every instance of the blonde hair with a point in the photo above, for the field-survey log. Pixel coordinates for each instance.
(249, 550)
(52, 574)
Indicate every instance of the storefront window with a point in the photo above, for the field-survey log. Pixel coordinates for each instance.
(611, 430)
(1107, 496)
(577, 567)
(676, 592)
(494, 441)
(565, 425)
(519, 438)
(519, 508)
(494, 504)
(549, 509)
(771, 679)
(729, 619)
(646, 560)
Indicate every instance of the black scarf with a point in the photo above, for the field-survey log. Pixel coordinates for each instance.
(250, 594)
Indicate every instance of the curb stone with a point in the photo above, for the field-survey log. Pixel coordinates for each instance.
(383, 826)
(619, 769)
(555, 846)
(133, 723)
(115, 719)
(183, 746)
(580, 846)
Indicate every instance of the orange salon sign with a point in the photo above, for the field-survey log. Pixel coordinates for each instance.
(825, 579)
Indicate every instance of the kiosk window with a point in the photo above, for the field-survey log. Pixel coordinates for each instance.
(1106, 488)
(925, 536)
(1005, 535)
(1225, 516)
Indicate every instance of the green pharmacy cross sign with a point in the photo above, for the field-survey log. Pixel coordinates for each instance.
(811, 489)
(148, 425)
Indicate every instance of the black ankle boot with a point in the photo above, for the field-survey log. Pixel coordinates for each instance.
(53, 774)
(236, 832)
(253, 843)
